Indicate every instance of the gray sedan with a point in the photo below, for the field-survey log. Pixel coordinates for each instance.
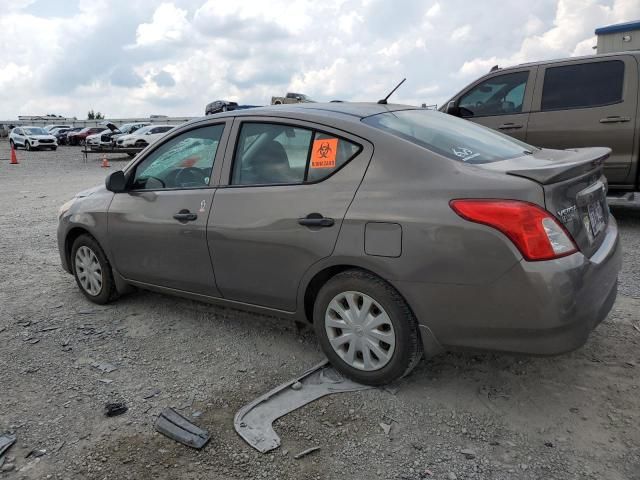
(393, 230)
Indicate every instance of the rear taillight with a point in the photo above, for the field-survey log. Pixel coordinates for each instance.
(532, 229)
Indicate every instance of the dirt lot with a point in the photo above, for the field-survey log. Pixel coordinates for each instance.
(573, 416)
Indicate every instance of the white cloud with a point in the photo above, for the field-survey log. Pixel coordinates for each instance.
(168, 25)
(137, 57)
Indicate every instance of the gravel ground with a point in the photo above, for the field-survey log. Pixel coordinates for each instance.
(461, 415)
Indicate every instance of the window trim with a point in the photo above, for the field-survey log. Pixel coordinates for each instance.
(528, 71)
(130, 171)
(595, 105)
(314, 131)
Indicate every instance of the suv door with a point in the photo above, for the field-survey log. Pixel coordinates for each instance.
(18, 137)
(501, 101)
(288, 188)
(588, 103)
(157, 228)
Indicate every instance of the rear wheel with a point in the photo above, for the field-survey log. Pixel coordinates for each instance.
(366, 329)
(92, 270)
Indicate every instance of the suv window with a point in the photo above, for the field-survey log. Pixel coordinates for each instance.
(449, 136)
(499, 95)
(583, 85)
(268, 154)
(185, 161)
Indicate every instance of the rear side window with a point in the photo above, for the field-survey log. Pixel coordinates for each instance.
(583, 85)
(271, 154)
(449, 136)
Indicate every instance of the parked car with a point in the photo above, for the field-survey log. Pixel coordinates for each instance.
(143, 136)
(32, 138)
(393, 229)
(224, 106)
(94, 141)
(291, 98)
(573, 102)
(48, 128)
(107, 138)
(79, 137)
(62, 135)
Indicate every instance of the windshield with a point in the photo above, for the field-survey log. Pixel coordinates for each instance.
(449, 136)
(142, 130)
(35, 131)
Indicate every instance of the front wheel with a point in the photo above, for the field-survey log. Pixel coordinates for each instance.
(12, 144)
(92, 270)
(27, 146)
(366, 329)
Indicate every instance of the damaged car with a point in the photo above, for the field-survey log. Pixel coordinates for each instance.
(394, 231)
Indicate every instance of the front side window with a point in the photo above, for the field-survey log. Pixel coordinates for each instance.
(449, 136)
(185, 161)
(583, 85)
(499, 95)
(269, 154)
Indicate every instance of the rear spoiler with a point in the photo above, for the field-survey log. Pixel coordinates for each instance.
(584, 160)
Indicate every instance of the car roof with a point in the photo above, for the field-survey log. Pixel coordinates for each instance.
(558, 60)
(358, 110)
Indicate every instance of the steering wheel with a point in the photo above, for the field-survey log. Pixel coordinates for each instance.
(190, 175)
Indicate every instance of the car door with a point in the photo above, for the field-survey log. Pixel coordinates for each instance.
(288, 187)
(157, 228)
(586, 103)
(19, 137)
(501, 101)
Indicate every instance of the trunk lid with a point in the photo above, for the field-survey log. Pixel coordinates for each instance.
(574, 188)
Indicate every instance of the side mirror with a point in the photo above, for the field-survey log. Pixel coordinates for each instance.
(116, 182)
(452, 109)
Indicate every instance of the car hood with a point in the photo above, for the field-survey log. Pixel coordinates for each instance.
(90, 191)
(111, 126)
(42, 137)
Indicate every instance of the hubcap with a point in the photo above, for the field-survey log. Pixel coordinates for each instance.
(88, 270)
(360, 331)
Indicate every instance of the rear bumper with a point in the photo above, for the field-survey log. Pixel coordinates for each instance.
(543, 308)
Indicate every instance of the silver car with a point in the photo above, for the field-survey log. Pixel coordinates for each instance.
(393, 230)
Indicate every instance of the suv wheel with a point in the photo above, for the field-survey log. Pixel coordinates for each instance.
(366, 329)
(27, 145)
(92, 270)
(12, 144)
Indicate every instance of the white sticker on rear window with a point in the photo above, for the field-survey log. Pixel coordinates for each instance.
(465, 154)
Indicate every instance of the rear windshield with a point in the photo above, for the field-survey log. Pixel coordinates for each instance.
(449, 136)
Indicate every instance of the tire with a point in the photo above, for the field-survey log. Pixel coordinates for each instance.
(27, 146)
(12, 145)
(92, 253)
(400, 325)
(54, 148)
(140, 144)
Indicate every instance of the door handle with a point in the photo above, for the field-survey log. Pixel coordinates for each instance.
(615, 119)
(185, 216)
(510, 126)
(316, 220)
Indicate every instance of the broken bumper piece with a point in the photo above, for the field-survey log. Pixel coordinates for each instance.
(253, 422)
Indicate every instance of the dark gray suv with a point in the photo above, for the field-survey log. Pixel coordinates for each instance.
(394, 230)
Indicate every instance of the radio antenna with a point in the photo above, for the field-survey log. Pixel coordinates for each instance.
(384, 100)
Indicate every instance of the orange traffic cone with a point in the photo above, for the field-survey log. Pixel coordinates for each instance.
(105, 162)
(14, 159)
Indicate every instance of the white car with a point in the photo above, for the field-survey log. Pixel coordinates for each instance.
(32, 138)
(94, 141)
(144, 136)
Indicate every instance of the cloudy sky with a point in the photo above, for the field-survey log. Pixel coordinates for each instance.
(141, 57)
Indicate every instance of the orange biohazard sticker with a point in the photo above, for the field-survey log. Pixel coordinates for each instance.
(324, 153)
